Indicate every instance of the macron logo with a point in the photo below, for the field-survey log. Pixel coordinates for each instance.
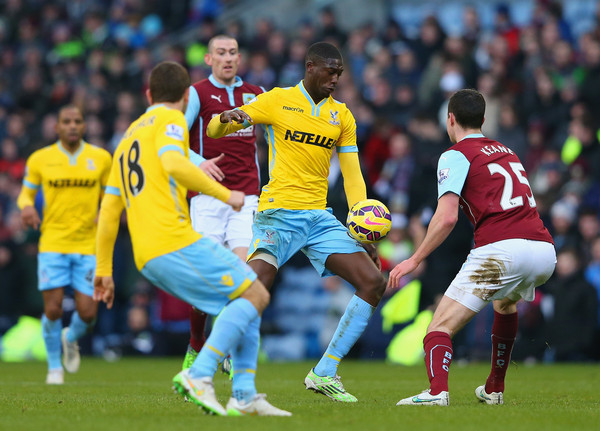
(293, 109)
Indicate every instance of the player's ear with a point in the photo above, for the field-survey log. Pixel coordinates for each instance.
(208, 59)
(149, 97)
(452, 118)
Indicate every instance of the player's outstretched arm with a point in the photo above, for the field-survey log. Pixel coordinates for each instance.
(228, 122)
(440, 226)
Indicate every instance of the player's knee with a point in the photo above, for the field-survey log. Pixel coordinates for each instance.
(373, 286)
(505, 306)
(264, 296)
(258, 295)
(53, 311)
(87, 315)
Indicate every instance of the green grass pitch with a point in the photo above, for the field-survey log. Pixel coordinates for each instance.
(135, 394)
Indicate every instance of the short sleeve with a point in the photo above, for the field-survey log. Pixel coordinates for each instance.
(453, 168)
(114, 179)
(107, 160)
(193, 108)
(259, 108)
(172, 134)
(32, 178)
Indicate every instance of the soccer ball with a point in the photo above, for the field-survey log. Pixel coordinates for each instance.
(369, 221)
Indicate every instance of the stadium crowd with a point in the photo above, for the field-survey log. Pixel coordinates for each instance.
(541, 82)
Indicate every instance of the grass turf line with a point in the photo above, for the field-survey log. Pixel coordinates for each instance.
(135, 394)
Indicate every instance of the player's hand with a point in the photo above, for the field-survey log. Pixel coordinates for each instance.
(211, 169)
(234, 116)
(104, 290)
(30, 217)
(372, 251)
(405, 267)
(236, 200)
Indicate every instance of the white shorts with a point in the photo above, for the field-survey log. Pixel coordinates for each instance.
(512, 269)
(218, 221)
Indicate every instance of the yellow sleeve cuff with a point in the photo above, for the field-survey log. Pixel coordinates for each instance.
(26, 197)
(216, 129)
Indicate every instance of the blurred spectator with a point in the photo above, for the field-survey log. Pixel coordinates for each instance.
(471, 27)
(505, 28)
(582, 145)
(329, 28)
(10, 161)
(572, 312)
(510, 131)
(260, 72)
(592, 275)
(562, 224)
(588, 228)
(430, 40)
(292, 71)
(590, 87)
(393, 183)
(277, 52)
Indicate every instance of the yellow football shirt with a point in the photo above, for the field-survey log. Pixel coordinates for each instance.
(72, 185)
(301, 137)
(156, 205)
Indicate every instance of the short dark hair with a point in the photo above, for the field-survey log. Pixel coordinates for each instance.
(168, 82)
(321, 51)
(468, 107)
(67, 107)
(212, 40)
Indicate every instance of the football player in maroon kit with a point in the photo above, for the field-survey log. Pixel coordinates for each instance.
(512, 255)
(235, 154)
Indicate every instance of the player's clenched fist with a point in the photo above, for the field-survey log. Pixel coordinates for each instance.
(236, 200)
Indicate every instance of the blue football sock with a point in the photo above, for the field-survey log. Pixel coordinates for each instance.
(244, 358)
(351, 326)
(51, 333)
(224, 336)
(77, 328)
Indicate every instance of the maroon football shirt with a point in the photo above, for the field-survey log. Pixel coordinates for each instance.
(240, 164)
(496, 195)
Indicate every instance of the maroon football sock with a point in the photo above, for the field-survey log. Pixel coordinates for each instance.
(438, 357)
(504, 332)
(197, 326)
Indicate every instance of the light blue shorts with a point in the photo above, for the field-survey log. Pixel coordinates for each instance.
(204, 274)
(317, 233)
(70, 270)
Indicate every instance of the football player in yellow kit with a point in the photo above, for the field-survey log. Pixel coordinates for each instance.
(304, 125)
(71, 175)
